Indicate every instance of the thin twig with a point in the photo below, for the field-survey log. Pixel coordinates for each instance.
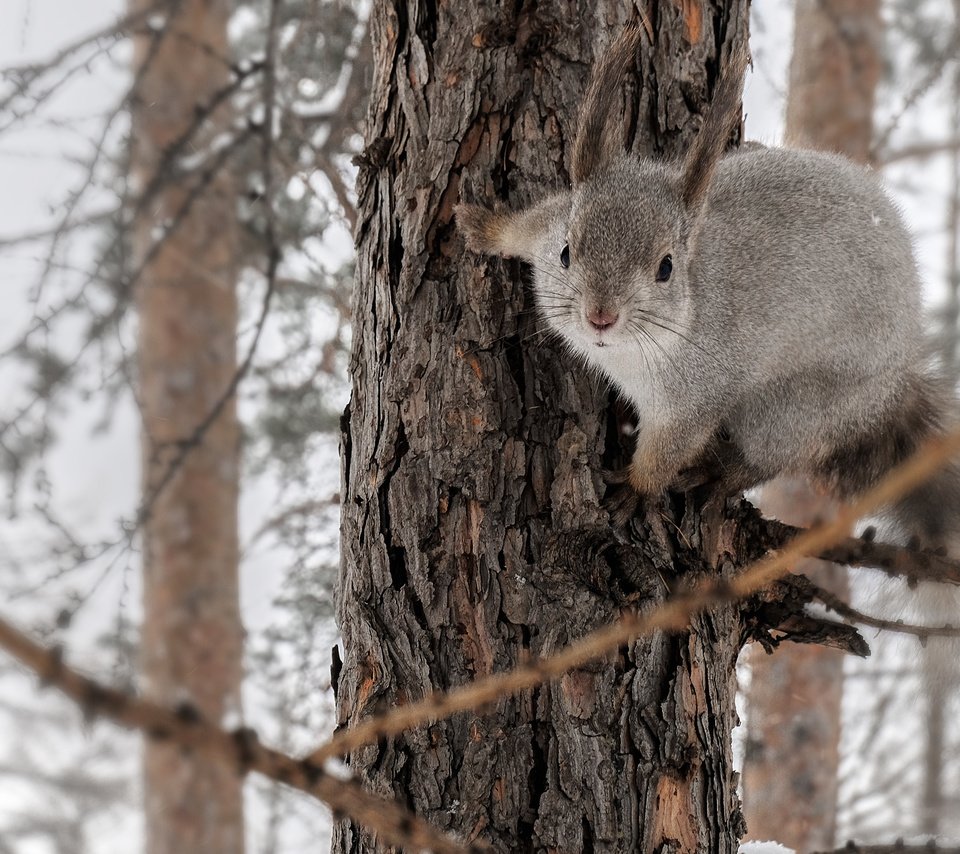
(919, 151)
(34, 235)
(119, 27)
(934, 71)
(835, 603)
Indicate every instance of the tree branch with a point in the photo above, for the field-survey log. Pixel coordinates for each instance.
(395, 824)
(33, 235)
(835, 603)
(919, 150)
(934, 71)
(673, 615)
(896, 561)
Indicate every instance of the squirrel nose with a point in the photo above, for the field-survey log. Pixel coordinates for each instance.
(601, 320)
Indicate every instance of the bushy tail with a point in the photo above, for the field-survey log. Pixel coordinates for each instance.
(929, 518)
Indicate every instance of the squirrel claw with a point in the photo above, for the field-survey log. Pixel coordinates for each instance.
(616, 477)
(692, 478)
(622, 504)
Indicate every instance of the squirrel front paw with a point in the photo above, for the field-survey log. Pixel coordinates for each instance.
(647, 481)
(637, 482)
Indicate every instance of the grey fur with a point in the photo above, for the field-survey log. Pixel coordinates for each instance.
(791, 320)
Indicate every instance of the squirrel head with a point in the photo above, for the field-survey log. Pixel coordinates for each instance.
(611, 256)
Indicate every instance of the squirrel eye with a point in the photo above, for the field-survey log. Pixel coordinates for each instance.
(565, 255)
(665, 269)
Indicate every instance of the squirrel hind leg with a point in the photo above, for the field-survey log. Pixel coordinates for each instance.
(723, 466)
(863, 457)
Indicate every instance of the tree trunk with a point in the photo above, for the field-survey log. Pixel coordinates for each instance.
(794, 704)
(939, 668)
(473, 533)
(834, 72)
(186, 301)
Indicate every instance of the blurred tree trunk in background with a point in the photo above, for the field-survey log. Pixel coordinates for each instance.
(186, 301)
(951, 311)
(940, 668)
(834, 70)
(795, 697)
(473, 532)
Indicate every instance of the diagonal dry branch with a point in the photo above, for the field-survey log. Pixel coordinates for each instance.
(389, 819)
(672, 615)
(118, 28)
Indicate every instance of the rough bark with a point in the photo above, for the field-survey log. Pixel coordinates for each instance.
(795, 697)
(186, 303)
(473, 531)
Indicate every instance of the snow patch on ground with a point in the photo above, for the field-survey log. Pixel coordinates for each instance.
(765, 848)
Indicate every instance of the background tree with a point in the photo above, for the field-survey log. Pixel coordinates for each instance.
(795, 698)
(187, 318)
(172, 219)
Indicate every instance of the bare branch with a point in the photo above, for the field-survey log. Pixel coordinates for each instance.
(934, 71)
(895, 561)
(112, 316)
(185, 728)
(673, 615)
(34, 235)
(919, 151)
(332, 173)
(835, 603)
(30, 72)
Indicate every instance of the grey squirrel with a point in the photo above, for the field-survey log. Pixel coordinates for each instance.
(767, 296)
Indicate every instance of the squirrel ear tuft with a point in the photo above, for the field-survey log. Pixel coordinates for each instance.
(722, 116)
(600, 138)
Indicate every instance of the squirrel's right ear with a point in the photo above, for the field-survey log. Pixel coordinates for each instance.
(499, 232)
(722, 116)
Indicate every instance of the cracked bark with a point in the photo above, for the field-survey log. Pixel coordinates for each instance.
(473, 532)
